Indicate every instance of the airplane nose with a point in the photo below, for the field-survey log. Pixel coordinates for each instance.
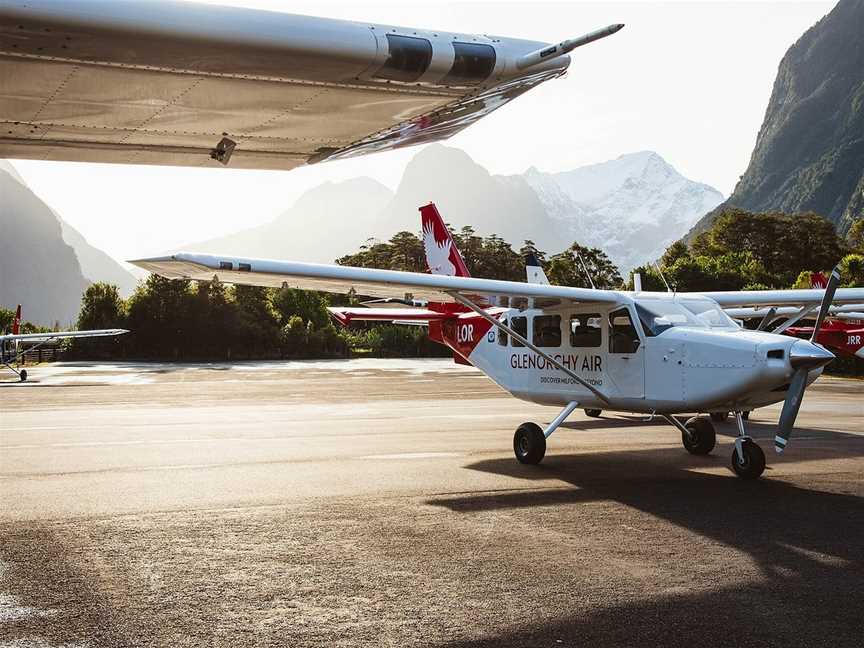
(809, 355)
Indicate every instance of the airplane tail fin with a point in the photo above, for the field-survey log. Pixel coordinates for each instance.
(16, 323)
(534, 271)
(818, 280)
(442, 255)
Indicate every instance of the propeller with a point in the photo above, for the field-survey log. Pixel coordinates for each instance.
(804, 356)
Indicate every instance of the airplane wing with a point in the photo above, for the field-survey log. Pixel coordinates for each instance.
(848, 311)
(179, 83)
(61, 335)
(800, 298)
(363, 281)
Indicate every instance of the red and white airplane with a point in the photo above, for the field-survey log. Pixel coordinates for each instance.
(11, 347)
(652, 353)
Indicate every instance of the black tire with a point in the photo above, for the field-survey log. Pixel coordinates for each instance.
(745, 415)
(22, 375)
(529, 444)
(719, 417)
(702, 437)
(754, 460)
(593, 413)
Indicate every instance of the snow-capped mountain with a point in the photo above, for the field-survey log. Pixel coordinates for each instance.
(632, 207)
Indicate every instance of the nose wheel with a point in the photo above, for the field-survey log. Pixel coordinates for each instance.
(748, 460)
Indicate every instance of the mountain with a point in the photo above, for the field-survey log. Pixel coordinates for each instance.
(809, 154)
(632, 207)
(38, 269)
(325, 223)
(467, 194)
(95, 264)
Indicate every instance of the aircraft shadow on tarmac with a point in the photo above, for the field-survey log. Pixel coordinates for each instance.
(808, 545)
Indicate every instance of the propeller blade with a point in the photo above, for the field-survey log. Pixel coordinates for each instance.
(827, 298)
(790, 409)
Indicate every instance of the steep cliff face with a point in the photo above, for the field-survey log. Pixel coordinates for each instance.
(809, 154)
(38, 269)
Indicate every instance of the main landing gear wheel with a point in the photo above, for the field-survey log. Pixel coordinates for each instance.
(701, 437)
(719, 417)
(529, 444)
(22, 375)
(593, 413)
(753, 464)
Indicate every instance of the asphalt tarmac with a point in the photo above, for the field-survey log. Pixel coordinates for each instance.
(378, 503)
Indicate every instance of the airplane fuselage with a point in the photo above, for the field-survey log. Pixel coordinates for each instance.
(680, 369)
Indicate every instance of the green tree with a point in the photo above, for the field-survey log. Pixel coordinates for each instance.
(565, 269)
(101, 307)
(852, 270)
(855, 237)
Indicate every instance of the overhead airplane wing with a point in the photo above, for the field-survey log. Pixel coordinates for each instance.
(363, 281)
(60, 335)
(179, 83)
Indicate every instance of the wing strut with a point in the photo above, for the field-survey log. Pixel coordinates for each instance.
(801, 314)
(509, 331)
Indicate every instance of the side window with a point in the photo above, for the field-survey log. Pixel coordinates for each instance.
(623, 337)
(502, 336)
(547, 330)
(408, 58)
(586, 330)
(520, 325)
(472, 64)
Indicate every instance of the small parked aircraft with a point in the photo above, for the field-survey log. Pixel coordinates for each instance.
(652, 353)
(180, 83)
(11, 348)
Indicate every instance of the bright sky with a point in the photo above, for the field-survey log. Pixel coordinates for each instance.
(690, 80)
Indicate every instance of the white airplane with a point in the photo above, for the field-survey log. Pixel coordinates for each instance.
(179, 83)
(651, 353)
(11, 348)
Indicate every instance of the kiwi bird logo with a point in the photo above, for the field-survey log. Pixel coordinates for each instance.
(437, 252)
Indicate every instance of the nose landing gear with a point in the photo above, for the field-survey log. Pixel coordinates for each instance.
(748, 460)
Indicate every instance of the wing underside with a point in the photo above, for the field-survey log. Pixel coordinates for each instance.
(177, 83)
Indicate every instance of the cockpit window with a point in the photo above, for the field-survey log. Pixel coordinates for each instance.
(709, 312)
(658, 315)
(472, 64)
(408, 60)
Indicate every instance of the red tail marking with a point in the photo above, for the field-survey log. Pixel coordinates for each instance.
(16, 323)
(442, 255)
(818, 280)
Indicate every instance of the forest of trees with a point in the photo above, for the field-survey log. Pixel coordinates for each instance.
(185, 320)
